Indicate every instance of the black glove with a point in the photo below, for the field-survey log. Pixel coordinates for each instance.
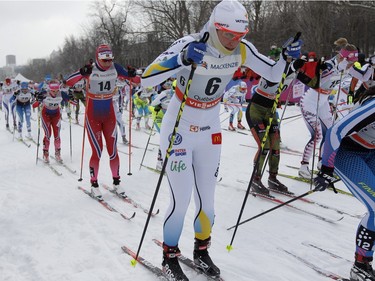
(350, 97)
(40, 96)
(324, 179)
(132, 72)
(157, 108)
(298, 63)
(86, 70)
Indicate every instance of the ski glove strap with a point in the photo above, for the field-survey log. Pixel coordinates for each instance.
(194, 53)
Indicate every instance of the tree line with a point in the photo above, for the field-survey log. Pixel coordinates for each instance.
(139, 30)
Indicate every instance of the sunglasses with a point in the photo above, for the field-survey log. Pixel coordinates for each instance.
(231, 35)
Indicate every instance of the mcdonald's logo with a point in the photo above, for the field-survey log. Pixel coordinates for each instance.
(216, 138)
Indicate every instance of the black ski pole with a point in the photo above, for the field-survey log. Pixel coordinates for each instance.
(281, 84)
(280, 205)
(70, 133)
(171, 141)
(38, 142)
(130, 125)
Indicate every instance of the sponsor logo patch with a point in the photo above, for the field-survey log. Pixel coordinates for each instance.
(216, 138)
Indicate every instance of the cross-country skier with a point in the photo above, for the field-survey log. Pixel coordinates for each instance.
(9, 87)
(314, 102)
(258, 114)
(100, 117)
(50, 98)
(349, 150)
(23, 108)
(233, 100)
(193, 163)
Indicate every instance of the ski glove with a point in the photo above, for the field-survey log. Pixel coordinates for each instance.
(293, 50)
(324, 179)
(86, 70)
(350, 97)
(132, 72)
(194, 53)
(297, 64)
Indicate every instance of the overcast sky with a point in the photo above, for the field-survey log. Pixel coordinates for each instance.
(33, 29)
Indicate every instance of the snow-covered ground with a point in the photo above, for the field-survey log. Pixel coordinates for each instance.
(50, 230)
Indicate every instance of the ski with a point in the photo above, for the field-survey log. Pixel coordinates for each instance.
(303, 199)
(314, 267)
(294, 177)
(152, 268)
(236, 131)
(25, 143)
(308, 181)
(52, 168)
(62, 164)
(105, 204)
(123, 152)
(127, 199)
(308, 244)
(190, 263)
(152, 169)
(296, 168)
(32, 140)
(278, 201)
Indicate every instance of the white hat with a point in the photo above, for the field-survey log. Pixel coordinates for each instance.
(228, 15)
(231, 15)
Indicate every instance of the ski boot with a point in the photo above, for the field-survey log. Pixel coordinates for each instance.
(170, 265)
(230, 127)
(304, 171)
(95, 191)
(203, 260)
(258, 187)
(273, 183)
(45, 156)
(118, 188)
(19, 136)
(29, 136)
(58, 156)
(124, 140)
(137, 127)
(362, 269)
(240, 126)
(7, 126)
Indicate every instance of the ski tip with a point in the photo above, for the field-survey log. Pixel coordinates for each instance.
(229, 248)
(133, 262)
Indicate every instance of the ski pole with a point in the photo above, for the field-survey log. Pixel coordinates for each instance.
(334, 115)
(281, 85)
(70, 132)
(280, 205)
(38, 142)
(316, 125)
(83, 139)
(171, 141)
(148, 141)
(130, 125)
(294, 116)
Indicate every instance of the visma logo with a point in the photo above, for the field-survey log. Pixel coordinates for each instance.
(178, 166)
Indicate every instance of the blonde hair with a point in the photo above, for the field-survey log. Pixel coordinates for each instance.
(342, 43)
